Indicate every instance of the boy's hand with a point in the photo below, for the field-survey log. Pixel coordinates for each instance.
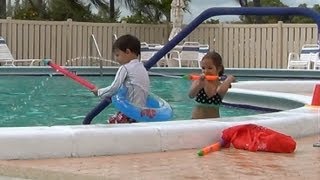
(95, 91)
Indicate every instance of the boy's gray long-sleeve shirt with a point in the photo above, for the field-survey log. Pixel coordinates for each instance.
(135, 77)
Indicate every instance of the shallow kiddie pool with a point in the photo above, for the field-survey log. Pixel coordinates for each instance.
(57, 100)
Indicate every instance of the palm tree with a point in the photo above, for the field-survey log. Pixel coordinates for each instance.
(39, 5)
(112, 10)
(108, 7)
(99, 4)
(243, 3)
(153, 10)
(256, 3)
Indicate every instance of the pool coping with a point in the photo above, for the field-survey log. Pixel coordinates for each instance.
(106, 139)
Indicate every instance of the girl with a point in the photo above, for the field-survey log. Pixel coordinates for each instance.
(209, 93)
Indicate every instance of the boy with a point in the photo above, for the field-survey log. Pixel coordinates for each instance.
(131, 74)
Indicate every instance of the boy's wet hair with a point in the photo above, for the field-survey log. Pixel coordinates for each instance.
(127, 42)
(216, 59)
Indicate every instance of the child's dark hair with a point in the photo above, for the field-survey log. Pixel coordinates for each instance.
(127, 42)
(216, 59)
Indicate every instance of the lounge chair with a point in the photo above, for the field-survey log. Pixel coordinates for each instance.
(203, 50)
(309, 54)
(188, 55)
(6, 58)
(149, 50)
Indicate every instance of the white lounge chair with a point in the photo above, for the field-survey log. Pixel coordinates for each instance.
(163, 62)
(146, 52)
(316, 62)
(5, 55)
(309, 54)
(149, 50)
(203, 50)
(188, 55)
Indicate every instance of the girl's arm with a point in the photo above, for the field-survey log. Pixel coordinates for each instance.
(196, 86)
(210, 87)
(225, 85)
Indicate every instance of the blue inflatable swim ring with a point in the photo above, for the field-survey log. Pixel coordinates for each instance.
(156, 108)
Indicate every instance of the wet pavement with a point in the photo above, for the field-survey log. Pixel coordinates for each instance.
(227, 163)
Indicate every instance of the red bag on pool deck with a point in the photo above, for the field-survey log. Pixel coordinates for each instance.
(257, 138)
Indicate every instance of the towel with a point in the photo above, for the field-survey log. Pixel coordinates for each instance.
(257, 138)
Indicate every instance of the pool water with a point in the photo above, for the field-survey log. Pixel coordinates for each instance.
(57, 100)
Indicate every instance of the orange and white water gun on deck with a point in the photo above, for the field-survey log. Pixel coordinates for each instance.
(211, 148)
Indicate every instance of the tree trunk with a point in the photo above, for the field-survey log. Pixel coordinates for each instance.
(243, 3)
(256, 3)
(112, 11)
(40, 8)
(3, 7)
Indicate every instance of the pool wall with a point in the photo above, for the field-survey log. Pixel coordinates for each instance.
(95, 140)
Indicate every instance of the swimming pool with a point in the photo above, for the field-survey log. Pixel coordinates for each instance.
(57, 100)
(104, 139)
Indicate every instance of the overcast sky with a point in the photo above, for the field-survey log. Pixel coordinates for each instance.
(198, 6)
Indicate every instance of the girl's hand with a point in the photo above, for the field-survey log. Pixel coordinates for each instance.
(196, 86)
(231, 78)
(202, 77)
(226, 84)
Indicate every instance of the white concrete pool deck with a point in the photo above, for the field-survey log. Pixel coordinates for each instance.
(148, 138)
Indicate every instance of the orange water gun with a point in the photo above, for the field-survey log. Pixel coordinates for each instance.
(197, 77)
(211, 148)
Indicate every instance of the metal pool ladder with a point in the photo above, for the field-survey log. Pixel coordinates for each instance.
(93, 39)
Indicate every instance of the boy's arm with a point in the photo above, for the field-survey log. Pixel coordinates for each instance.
(95, 91)
(115, 85)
